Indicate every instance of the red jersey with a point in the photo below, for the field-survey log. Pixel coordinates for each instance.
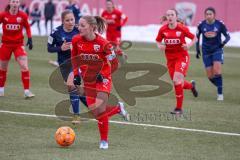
(118, 17)
(92, 57)
(13, 27)
(174, 39)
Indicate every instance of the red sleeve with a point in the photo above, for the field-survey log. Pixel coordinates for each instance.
(160, 35)
(111, 56)
(27, 26)
(114, 65)
(103, 14)
(74, 57)
(1, 17)
(124, 19)
(188, 33)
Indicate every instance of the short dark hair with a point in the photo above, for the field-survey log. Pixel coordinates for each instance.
(210, 9)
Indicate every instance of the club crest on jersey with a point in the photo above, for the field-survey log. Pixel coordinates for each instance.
(114, 16)
(19, 19)
(178, 34)
(105, 82)
(215, 29)
(96, 47)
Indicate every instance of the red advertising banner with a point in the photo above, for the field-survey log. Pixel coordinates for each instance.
(143, 12)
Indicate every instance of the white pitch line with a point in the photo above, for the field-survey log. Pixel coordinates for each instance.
(130, 123)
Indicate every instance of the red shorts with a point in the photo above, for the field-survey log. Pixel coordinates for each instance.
(178, 64)
(7, 50)
(91, 89)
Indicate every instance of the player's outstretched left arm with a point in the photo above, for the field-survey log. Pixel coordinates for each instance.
(191, 36)
(29, 34)
(124, 19)
(226, 35)
(112, 58)
(198, 52)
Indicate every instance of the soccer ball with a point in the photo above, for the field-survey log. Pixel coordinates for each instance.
(65, 136)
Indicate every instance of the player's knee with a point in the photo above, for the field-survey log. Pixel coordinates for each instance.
(217, 72)
(178, 79)
(72, 89)
(3, 65)
(177, 82)
(3, 68)
(23, 67)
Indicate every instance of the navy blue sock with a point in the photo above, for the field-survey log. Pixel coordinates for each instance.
(74, 98)
(212, 81)
(83, 100)
(219, 83)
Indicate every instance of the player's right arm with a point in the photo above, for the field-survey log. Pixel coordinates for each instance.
(159, 39)
(52, 48)
(199, 32)
(1, 17)
(75, 57)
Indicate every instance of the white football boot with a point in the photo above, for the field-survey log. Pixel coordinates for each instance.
(123, 111)
(103, 145)
(28, 94)
(220, 97)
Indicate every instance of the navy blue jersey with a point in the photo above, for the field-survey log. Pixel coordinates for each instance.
(211, 36)
(76, 12)
(55, 41)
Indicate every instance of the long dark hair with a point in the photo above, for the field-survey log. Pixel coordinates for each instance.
(7, 7)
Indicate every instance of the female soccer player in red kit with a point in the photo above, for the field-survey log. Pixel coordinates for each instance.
(175, 47)
(13, 21)
(115, 20)
(92, 55)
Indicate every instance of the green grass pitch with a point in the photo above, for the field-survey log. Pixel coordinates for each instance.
(25, 137)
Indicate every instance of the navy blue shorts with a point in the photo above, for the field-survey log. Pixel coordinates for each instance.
(208, 59)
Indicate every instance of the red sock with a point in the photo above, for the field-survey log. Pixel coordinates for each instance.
(187, 85)
(110, 111)
(26, 79)
(113, 110)
(3, 77)
(179, 95)
(103, 128)
(114, 65)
